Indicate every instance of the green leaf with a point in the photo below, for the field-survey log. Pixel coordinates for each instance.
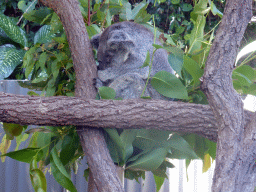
(42, 60)
(197, 34)
(147, 139)
(157, 46)
(186, 7)
(23, 155)
(59, 172)
(12, 130)
(130, 174)
(215, 11)
(92, 30)
(193, 68)
(38, 180)
(161, 170)
(252, 90)
(114, 150)
(169, 85)
(142, 16)
(200, 8)
(107, 93)
(159, 182)
(55, 67)
(26, 6)
(20, 139)
(169, 39)
(10, 58)
(127, 137)
(246, 71)
(117, 147)
(12, 31)
(44, 35)
(4, 146)
(241, 79)
(113, 134)
(126, 13)
(175, 1)
(175, 59)
(198, 143)
(178, 143)
(37, 16)
(56, 24)
(149, 161)
(147, 60)
(4, 39)
(211, 148)
(69, 147)
(136, 10)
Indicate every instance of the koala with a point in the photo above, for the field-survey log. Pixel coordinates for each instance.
(122, 49)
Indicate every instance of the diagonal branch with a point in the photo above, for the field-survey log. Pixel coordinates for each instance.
(102, 168)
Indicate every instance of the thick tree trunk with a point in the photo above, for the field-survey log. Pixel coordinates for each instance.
(235, 161)
(100, 163)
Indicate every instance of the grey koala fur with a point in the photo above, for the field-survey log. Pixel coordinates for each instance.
(122, 50)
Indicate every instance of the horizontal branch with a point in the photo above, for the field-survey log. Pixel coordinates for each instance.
(125, 114)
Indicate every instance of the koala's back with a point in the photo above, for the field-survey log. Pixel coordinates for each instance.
(124, 46)
(122, 50)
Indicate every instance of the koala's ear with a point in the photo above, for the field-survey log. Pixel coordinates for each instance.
(95, 41)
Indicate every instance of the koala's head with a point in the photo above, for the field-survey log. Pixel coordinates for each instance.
(118, 43)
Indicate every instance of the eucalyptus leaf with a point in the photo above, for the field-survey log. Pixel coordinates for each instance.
(149, 161)
(147, 60)
(69, 146)
(127, 137)
(126, 13)
(38, 180)
(159, 182)
(175, 59)
(197, 34)
(178, 143)
(12, 130)
(59, 172)
(169, 85)
(107, 93)
(192, 67)
(24, 155)
(215, 11)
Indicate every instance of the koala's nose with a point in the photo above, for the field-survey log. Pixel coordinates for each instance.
(118, 36)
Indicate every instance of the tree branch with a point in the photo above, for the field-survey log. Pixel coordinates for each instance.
(126, 114)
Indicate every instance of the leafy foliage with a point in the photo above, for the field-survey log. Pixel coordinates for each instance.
(42, 55)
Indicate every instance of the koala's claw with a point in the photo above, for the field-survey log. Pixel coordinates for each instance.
(98, 83)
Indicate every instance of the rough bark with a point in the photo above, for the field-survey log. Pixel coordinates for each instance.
(235, 165)
(92, 140)
(126, 114)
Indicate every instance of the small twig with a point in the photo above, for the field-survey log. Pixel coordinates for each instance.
(25, 12)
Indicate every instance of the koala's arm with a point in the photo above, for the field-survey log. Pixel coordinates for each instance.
(129, 86)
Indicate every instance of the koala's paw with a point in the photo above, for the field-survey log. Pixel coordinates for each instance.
(98, 83)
